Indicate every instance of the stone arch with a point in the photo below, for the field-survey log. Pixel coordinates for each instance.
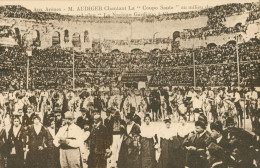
(76, 40)
(210, 45)
(36, 38)
(175, 35)
(56, 38)
(232, 42)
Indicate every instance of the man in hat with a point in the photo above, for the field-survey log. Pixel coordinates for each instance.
(118, 127)
(84, 118)
(217, 135)
(137, 119)
(58, 119)
(197, 106)
(70, 138)
(129, 154)
(99, 144)
(196, 144)
(108, 122)
(215, 155)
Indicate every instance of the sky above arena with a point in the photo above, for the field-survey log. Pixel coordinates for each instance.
(101, 7)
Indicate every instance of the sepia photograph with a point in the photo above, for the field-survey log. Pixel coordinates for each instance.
(129, 84)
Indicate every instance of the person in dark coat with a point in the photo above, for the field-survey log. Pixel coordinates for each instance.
(196, 144)
(2, 146)
(215, 155)
(53, 154)
(58, 120)
(16, 145)
(109, 122)
(38, 138)
(99, 144)
(219, 139)
(28, 117)
(84, 118)
(129, 154)
(118, 127)
(136, 118)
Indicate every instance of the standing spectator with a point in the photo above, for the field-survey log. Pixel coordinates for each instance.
(52, 151)
(129, 152)
(2, 145)
(28, 117)
(70, 139)
(37, 143)
(16, 145)
(196, 144)
(99, 144)
(147, 143)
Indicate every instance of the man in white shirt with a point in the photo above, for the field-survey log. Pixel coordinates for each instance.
(70, 139)
(197, 105)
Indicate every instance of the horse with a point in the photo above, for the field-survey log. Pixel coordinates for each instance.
(206, 108)
(251, 107)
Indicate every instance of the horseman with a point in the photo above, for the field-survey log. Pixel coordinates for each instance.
(191, 95)
(251, 103)
(197, 105)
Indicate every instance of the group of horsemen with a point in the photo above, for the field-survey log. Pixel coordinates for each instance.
(161, 103)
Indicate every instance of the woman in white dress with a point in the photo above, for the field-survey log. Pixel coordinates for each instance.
(170, 145)
(147, 143)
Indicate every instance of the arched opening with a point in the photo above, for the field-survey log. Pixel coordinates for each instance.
(96, 45)
(66, 36)
(86, 38)
(155, 50)
(211, 45)
(76, 40)
(115, 51)
(233, 42)
(55, 38)
(175, 35)
(36, 38)
(136, 50)
(238, 27)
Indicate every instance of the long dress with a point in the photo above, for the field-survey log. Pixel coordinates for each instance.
(15, 144)
(172, 154)
(53, 153)
(37, 158)
(2, 146)
(147, 146)
(129, 151)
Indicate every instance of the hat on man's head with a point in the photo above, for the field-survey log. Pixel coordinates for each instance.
(37, 116)
(230, 121)
(117, 113)
(69, 114)
(129, 116)
(110, 110)
(132, 109)
(83, 109)
(203, 118)
(216, 126)
(167, 120)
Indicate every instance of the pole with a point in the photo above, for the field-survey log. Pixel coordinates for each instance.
(194, 69)
(238, 71)
(73, 70)
(27, 73)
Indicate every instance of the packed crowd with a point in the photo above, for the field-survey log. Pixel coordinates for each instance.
(55, 64)
(66, 128)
